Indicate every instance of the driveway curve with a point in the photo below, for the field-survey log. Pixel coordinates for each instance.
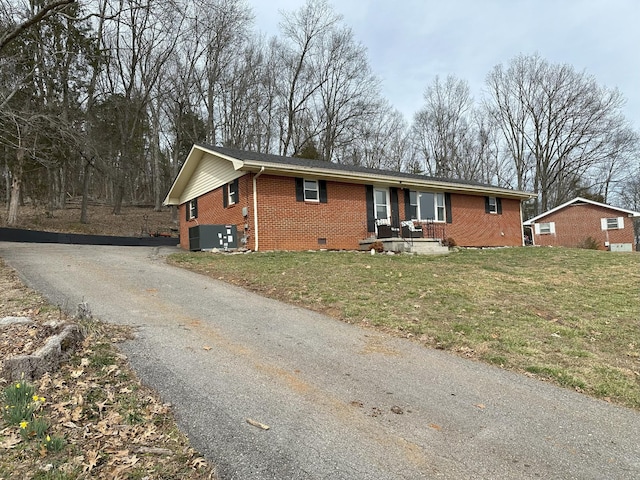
(340, 401)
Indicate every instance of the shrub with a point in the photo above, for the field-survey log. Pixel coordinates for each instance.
(589, 243)
(377, 246)
(449, 242)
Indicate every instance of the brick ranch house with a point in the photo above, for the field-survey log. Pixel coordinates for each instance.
(573, 222)
(282, 203)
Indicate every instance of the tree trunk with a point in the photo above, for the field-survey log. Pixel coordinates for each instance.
(118, 196)
(16, 185)
(84, 217)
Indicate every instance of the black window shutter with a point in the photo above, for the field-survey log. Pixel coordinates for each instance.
(407, 204)
(225, 195)
(195, 207)
(499, 206)
(371, 218)
(187, 207)
(487, 208)
(395, 211)
(299, 190)
(447, 207)
(322, 186)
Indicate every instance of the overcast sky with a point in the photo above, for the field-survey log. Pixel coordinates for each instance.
(411, 41)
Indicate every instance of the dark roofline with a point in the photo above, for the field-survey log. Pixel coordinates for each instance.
(304, 162)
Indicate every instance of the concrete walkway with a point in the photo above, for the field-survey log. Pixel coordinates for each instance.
(341, 402)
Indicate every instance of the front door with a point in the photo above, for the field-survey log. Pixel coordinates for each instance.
(382, 212)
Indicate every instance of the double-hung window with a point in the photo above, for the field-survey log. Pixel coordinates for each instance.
(192, 209)
(230, 193)
(493, 205)
(233, 193)
(545, 228)
(615, 223)
(311, 191)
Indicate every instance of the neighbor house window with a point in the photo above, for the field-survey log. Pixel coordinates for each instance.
(311, 191)
(612, 223)
(427, 206)
(192, 209)
(545, 228)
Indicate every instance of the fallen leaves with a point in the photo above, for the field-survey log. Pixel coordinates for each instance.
(91, 461)
(11, 441)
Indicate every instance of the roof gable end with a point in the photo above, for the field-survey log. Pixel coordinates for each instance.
(581, 201)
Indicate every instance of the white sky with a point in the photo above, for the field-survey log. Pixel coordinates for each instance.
(409, 42)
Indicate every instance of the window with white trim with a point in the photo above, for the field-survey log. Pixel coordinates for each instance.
(381, 199)
(545, 228)
(616, 223)
(427, 206)
(493, 205)
(311, 191)
(233, 193)
(192, 209)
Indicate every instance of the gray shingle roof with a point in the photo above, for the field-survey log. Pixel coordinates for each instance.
(303, 162)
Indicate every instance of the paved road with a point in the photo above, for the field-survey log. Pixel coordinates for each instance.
(326, 388)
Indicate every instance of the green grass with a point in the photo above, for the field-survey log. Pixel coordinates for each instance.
(569, 316)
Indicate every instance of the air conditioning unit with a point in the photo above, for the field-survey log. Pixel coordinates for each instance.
(208, 237)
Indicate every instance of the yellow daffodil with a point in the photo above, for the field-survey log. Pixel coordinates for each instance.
(17, 385)
(48, 438)
(24, 424)
(35, 398)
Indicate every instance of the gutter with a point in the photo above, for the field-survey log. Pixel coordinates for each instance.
(255, 209)
(387, 179)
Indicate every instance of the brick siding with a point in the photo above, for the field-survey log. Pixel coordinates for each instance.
(577, 222)
(287, 224)
(472, 227)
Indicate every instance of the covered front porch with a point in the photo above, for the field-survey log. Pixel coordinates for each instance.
(422, 238)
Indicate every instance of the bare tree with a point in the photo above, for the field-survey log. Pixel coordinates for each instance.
(444, 130)
(348, 89)
(35, 17)
(379, 140)
(558, 124)
(303, 32)
(223, 27)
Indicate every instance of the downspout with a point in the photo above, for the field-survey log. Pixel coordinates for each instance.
(522, 226)
(255, 209)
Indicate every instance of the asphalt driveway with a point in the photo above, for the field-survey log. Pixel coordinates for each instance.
(342, 402)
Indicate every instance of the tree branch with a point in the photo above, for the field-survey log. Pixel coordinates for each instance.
(43, 13)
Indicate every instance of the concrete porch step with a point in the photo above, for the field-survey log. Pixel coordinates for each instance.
(420, 246)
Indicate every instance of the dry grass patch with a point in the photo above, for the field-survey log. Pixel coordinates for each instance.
(568, 316)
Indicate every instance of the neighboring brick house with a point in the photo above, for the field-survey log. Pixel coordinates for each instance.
(282, 203)
(572, 224)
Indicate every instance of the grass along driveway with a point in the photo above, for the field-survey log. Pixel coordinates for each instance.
(565, 315)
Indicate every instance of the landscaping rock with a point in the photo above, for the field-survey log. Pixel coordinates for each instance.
(15, 321)
(46, 359)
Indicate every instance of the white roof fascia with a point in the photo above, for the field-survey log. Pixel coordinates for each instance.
(630, 213)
